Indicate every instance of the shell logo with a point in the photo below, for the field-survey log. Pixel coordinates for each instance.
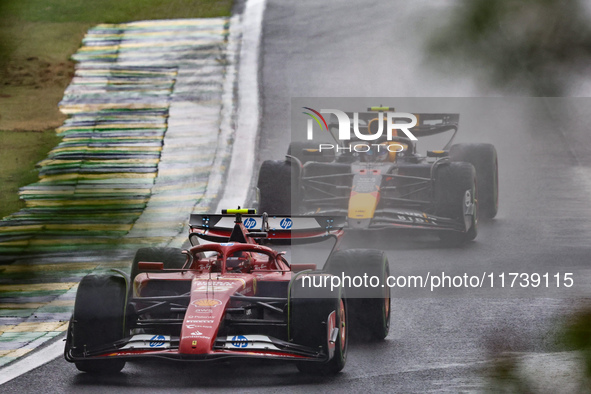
(206, 302)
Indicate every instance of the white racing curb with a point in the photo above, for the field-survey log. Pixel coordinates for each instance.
(30, 362)
(240, 172)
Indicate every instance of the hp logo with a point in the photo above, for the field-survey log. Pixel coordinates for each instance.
(239, 341)
(250, 223)
(157, 341)
(286, 223)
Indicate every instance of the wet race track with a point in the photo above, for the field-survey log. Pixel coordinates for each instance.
(442, 342)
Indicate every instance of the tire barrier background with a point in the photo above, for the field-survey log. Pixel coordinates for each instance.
(147, 141)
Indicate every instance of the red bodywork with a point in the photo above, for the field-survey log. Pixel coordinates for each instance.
(207, 290)
(211, 288)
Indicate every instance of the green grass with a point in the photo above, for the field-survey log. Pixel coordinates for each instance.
(53, 29)
(113, 11)
(37, 38)
(20, 152)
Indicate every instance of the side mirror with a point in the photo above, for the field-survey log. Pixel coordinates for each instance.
(437, 153)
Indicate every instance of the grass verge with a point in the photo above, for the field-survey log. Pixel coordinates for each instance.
(37, 38)
(20, 151)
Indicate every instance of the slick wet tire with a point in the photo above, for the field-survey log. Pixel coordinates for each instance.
(98, 321)
(171, 257)
(484, 159)
(276, 178)
(455, 189)
(309, 311)
(369, 307)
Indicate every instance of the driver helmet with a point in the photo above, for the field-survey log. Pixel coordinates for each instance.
(238, 262)
(376, 153)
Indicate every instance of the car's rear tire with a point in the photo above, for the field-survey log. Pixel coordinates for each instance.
(484, 159)
(98, 321)
(369, 307)
(276, 178)
(455, 192)
(310, 308)
(171, 257)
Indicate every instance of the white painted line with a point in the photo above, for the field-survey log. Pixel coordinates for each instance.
(30, 362)
(240, 172)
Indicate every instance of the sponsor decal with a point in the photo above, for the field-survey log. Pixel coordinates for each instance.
(250, 223)
(286, 223)
(207, 302)
(215, 282)
(201, 310)
(198, 334)
(157, 341)
(227, 244)
(239, 341)
(238, 279)
(190, 317)
(200, 321)
(148, 341)
(192, 326)
(261, 342)
(410, 213)
(220, 286)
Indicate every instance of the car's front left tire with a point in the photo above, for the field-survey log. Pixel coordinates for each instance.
(98, 321)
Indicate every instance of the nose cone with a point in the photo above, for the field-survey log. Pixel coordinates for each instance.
(201, 325)
(362, 207)
(359, 223)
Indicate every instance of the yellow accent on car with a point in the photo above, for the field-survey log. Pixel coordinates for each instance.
(243, 211)
(380, 109)
(362, 205)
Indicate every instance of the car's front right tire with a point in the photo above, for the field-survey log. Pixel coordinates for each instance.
(309, 312)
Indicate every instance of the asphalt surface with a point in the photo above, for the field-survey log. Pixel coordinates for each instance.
(436, 343)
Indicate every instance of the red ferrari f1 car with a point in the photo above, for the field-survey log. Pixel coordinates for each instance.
(233, 299)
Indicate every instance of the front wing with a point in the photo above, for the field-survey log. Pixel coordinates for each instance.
(238, 346)
(389, 218)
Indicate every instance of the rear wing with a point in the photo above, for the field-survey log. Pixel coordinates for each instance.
(427, 123)
(279, 230)
(430, 124)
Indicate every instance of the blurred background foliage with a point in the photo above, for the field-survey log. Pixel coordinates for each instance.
(576, 335)
(523, 47)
